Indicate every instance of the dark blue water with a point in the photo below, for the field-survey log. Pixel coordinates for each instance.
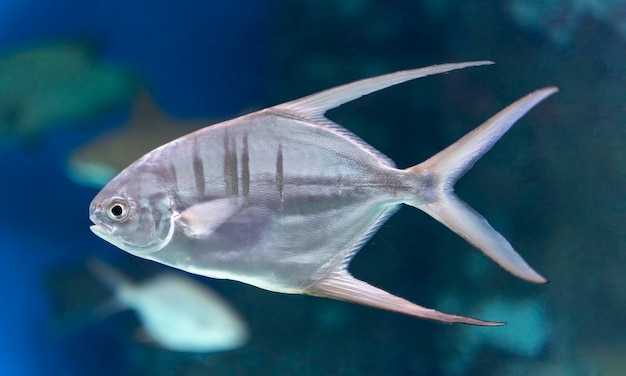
(554, 186)
(199, 58)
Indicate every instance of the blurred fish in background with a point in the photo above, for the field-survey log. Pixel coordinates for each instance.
(48, 85)
(177, 312)
(69, 72)
(98, 161)
(561, 20)
(557, 186)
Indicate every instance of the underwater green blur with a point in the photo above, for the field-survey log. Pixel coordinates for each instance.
(554, 186)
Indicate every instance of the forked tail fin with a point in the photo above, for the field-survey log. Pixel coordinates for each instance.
(441, 171)
(437, 176)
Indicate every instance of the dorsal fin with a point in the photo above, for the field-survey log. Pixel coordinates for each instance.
(314, 106)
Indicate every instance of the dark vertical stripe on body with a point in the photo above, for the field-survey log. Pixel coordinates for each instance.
(234, 176)
(339, 185)
(198, 172)
(245, 170)
(280, 172)
(230, 166)
(173, 177)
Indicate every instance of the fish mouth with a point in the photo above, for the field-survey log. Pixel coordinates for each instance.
(100, 231)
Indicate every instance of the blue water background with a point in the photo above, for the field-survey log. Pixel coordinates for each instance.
(199, 59)
(554, 185)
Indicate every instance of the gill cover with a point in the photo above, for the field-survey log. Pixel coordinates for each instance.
(138, 227)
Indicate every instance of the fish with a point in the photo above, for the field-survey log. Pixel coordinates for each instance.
(284, 198)
(177, 312)
(51, 86)
(97, 162)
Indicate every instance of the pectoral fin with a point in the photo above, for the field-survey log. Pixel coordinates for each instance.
(341, 285)
(202, 219)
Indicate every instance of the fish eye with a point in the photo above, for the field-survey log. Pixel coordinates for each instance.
(117, 211)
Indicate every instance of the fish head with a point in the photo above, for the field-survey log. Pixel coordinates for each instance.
(133, 214)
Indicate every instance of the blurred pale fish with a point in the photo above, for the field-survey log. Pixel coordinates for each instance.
(178, 313)
(98, 161)
(284, 198)
(52, 85)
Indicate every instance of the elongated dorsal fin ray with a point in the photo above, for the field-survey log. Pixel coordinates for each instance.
(315, 105)
(447, 166)
(340, 285)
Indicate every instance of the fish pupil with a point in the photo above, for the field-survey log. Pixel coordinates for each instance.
(117, 210)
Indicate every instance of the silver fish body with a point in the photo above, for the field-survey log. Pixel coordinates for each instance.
(283, 198)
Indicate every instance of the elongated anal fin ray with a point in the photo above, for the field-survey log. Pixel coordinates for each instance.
(315, 105)
(446, 167)
(341, 285)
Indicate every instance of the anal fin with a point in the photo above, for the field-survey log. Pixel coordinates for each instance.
(341, 285)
